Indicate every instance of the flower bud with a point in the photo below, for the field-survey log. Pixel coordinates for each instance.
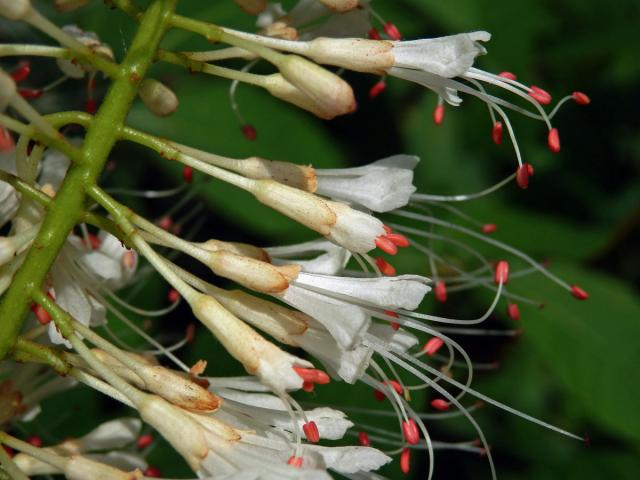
(177, 427)
(254, 274)
(81, 468)
(243, 249)
(358, 54)
(159, 99)
(15, 9)
(333, 95)
(7, 90)
(281, 30)
(280, 88)
(299, 176)
(69, 5)
(340, 5)
(252, 7)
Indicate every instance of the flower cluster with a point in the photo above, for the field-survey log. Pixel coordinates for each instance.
(331, 309)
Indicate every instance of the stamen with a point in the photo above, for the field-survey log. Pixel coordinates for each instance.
(523, 173)
(152, 472)
(438, 113)
(541, 96)
(6, 140)
(374, 34)
(513, 311)
(308, 387)
(579, 293)
(385, 267)
(21, 73)
(363, 439)
(441, 291)
(496, 133)
(386, 245)
(398, 239)
(187, 174)
(405, 460)
(553, 140)
(294, 461)
(432, 346)
(249, 131)
(144, 441)
(410, 431)
(311, 431)
(502, 272)
(173, 295)
(35, 440)
(489, 228)
(392, 31)
(30, 93)
(507, 75)
(440, 404)
(377, 89)
(581, 98)
(312, 375)
(387, 229)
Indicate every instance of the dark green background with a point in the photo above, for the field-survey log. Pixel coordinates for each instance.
(576, 363)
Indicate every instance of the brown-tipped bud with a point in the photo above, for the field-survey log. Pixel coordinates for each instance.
(81, 468)
(243, 249)
(252, 7)
(15, 9)
(280, 88)
(298, 176)
(340, 5)
(7, 90)
(358, 54)
(159, 99)
(333, 95)
(69, 5)
(254, 274)
(303, 207)
(177, 427)
(280, 29)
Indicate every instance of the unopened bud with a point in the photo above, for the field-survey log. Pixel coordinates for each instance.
(340, 5)
(280, 88)
(302, 177)
(254, 274)
(243, 249)
(81, 468)
(69, 5)
(7, 90)
(252, 7)
(159, 99)
(333, 95)
(358, 54)
(15, 9)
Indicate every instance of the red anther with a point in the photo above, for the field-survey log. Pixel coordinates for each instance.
(432, 346)
(187, 174)
(396, 386)
(377, 89)
(379, 395)
(411, 432)
(502, 272)
(398, 239)
(438, 114)
(541, 96)
(90, 106)
(405, 460)
(6, 140)
(152, 472)
(513, 311)
(507, 75)
(522, 175)
(395, 326)
(312, 375)
(553, 140)
(440, 404)
(21, 73)
(190, 332)
(581, 98)
(387, 229)
(489, 228)
(144, 441)
(35, 440)
(440, 291)
(249, 132)
(295, 461)
(496, 133)
(308, 386)
(310, 430)
(385, 267)
(579, 293)
(363, 439)
(30, 93)
(165, 223)
(9, 451)
(173, 295)
(94, 241)
(386, 245)
(392, 31)
(41, 314)
(374, 34)
(391, 313)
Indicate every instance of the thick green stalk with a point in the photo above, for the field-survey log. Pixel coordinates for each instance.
(68, 207)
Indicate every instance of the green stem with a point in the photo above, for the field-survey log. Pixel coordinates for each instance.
(68, 207)
(26, 350)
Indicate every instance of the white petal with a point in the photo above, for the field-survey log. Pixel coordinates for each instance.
(445, 56)
(331, 262)
(354, 230)
(54, 168)
(351, 459)
(400, 339)
(112, 435)
(122, 460)
(444, 87)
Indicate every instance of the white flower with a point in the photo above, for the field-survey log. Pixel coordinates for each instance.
(381, 186)
(331, 259)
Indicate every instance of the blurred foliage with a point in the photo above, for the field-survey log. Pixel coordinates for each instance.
(576, 364)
